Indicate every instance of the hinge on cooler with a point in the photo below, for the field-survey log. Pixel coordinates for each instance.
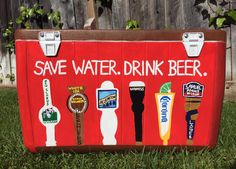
(193, 43)
(49, 42)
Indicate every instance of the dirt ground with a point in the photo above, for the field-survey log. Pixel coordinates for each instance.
(230, 91)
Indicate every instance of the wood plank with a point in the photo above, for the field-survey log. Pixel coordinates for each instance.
(104, 16)
(192, 18)
(47, 7)
(91, 16)
(161, 10)
(4, 18)
(233, 4)
(4, 15)
(120, 13)
(139, 11)
(14, 12)
(234, 50)
(152, 14)
(177, 14)
(67, 12)
(80, 13)
(145, 12)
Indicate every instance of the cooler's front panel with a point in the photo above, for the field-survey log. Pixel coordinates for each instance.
(121, 93)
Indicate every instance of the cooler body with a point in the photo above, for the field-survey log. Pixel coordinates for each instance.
(110, 90)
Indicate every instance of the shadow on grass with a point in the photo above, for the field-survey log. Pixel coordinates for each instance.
(233, 166)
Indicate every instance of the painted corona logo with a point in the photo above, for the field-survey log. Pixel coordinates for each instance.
(164, 102)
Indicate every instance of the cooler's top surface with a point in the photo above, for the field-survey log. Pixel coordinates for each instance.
(123, 35)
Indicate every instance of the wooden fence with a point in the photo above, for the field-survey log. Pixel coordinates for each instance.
(152, 14)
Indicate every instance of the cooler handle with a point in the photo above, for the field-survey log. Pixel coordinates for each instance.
(49, 42)
(193, 43)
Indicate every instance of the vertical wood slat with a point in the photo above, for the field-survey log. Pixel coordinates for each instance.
(104, 16)
(91, 16)
(193, 19)
(47, 7)
(15, 4)
(161, 11)
(120, 13)
(152, 14)
(177, 14)
(138, 11)
(67, 12)
(4, 18)
(234, 43)
(80, 13)
(233, 52)
(145, 12)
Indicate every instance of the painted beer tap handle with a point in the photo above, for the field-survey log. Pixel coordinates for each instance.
(49, 115)
(193, 93)
(137, 93)
(78, 104)
(108, 101)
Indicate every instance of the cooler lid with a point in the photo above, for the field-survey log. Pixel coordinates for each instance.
(122, 35)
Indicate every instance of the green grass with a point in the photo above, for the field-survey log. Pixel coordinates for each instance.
(14, 155)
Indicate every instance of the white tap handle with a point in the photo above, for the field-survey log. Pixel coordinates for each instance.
(50, 135)
(108, 121)
(45, 114)
(108, 126)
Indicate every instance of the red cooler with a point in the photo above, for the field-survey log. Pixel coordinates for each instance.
(88, 90)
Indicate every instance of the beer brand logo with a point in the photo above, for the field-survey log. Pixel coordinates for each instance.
(78, 101)
(49, 116)
(165, 100)
(107, 98)
(193, 89)
(136, 88)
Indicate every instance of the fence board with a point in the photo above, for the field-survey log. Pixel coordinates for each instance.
(120, 13)
(152, 14)
(104, 16)
(139, 11)
(145, 12)
(67, 12)
(4, 14)
(234, 51)
(14, 12)
(177, 14)
(191, 18)
(161, 13)
(80, 13)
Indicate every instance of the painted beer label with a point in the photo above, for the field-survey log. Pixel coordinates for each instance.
(107, 99)
(165, 104)
(49, 116)
(78, 101)
(193, 89)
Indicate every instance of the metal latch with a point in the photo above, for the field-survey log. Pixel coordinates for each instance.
(49, 42)
(193, 43)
